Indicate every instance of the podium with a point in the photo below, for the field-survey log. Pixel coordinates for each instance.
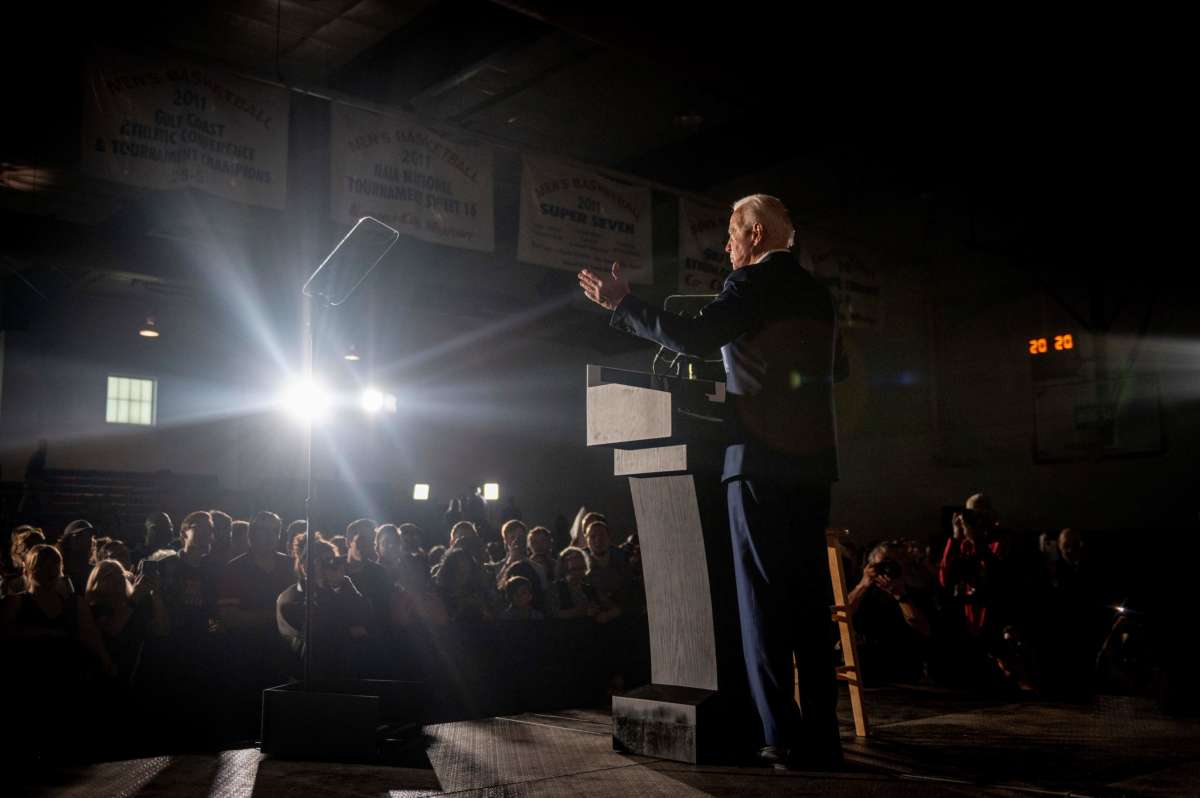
(667, 436)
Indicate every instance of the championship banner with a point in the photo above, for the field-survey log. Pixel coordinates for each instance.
(573, 219)
(852, 275)
(171, 125)
(703, 261)
(428, 187)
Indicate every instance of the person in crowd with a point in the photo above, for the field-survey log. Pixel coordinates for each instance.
(341, 544)
(580, 525)
(921, 571)
(50, 623)
(78, 523)
(988, 590)
(76, 547)
(287, 538)
(458, 586)
(127, 612)
(413, 597)
(179, 671)
(340, 615)
(966, 563)
(608, 570)
(575, 598)
(892, 618)
(24, 538)
(519, 592)
(359, 528)
(412, 539)
(541, 553)
(55, 663)
(434, 557)
(465, 536)
(1077, 618)
(111, 549)
(295, 542)
(239, 543)
(247, 591)
(461, 532)
(1071, 574)
(250, 584)
(189, 580)
(496, 554)
(414, 565)
(390, 553)
(516, 562)
(368, 576)
(222, 537)
(159, 534)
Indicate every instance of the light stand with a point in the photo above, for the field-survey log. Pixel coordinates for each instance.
(314, 720)
(334, 282)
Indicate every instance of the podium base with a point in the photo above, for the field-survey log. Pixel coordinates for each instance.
(666, 722)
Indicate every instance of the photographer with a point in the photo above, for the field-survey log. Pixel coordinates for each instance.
(891, 618)
(966, 564)
(986, 593)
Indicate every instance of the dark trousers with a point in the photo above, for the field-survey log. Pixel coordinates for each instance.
(782, 571)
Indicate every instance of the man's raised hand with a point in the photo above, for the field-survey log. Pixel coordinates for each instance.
(605, 290)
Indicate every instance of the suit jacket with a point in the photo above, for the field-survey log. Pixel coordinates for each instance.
(776, 327)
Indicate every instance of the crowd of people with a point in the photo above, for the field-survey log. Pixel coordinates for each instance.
(197, 619)
(204, 615)
(998, 609)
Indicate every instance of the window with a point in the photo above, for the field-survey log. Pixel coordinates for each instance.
(130, 401)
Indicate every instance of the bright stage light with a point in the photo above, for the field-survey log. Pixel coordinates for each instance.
(372, 400)
(306, 400)
(491, 491)
(420, 492)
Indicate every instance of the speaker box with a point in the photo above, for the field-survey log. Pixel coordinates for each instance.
(338, 721)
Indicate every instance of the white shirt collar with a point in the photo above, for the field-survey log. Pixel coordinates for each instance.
(763, 256)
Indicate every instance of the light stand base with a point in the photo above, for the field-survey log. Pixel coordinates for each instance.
(366, 721)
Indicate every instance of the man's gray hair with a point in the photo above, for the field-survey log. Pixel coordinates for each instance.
(882, 549)
(771, 213)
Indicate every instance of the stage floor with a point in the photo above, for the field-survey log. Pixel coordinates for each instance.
(924, 743)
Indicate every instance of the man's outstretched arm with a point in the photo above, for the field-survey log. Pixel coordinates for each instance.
(721, 321)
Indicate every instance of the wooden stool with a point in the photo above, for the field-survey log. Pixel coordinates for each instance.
(847, 672)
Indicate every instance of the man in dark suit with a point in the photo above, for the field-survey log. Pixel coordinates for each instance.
(777, 330)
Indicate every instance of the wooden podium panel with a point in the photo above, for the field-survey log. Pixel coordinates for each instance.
(683, 648)
(660, 459)
(626, 413)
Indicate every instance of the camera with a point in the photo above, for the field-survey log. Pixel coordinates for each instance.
(889, 568)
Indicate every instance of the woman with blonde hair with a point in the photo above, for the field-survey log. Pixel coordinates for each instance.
(127, 611)
(49, 620)
(24, 538)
